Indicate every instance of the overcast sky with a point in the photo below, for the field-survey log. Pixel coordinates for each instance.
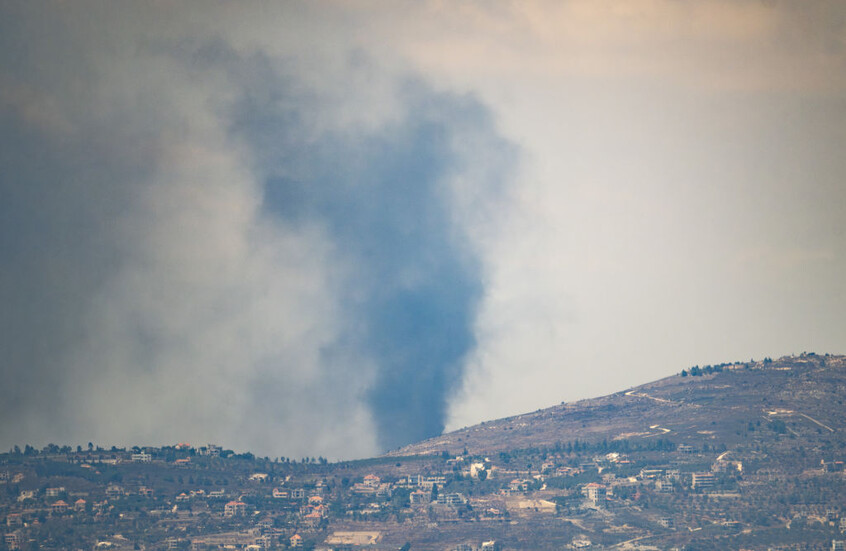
(333, 228)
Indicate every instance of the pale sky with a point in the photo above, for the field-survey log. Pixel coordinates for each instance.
(332, 228)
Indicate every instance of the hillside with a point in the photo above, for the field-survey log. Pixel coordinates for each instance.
(746, 456)
(722, 405)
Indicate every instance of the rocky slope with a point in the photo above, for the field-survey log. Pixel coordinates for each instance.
(800, 396)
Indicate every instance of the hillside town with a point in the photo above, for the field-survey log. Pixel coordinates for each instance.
(765, 476)
(575, 496)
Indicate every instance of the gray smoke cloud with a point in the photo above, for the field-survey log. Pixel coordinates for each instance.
(299, 227)
(202, 245)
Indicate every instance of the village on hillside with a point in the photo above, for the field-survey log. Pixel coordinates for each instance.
(775, 481)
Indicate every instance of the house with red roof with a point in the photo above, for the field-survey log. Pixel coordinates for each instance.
(59, 507)
(235, 508)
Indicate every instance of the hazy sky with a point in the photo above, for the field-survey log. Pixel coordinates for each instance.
(332, 228)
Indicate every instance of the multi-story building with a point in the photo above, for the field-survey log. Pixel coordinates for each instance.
(704, 481)
(235, 509)
(14, 540)
(142, 457)
(595, 493)
(14, 519)
(664, 486)
(454, 498)
(59, 507)
(55, 492)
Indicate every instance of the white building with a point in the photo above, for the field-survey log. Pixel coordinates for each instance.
(235, 509)
(595, 493)
(702, 481)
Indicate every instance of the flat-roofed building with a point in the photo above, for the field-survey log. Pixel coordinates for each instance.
(703, 481)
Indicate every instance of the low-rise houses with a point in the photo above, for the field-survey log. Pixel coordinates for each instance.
(59, 507)
(650, 474)
(300, 504)
(519, 485)
(419, 496)
(372, 480)
(266, 523)
(370, 485)
(831, 466)
(314, 517)
(421, 481)
(722, 466)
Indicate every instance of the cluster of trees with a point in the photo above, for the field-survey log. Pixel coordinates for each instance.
(51, 449)
(697, 371)
(167, 453)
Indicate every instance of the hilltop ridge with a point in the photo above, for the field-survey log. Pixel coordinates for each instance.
(714, 405)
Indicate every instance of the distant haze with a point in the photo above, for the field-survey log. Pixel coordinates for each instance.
(332, 228)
